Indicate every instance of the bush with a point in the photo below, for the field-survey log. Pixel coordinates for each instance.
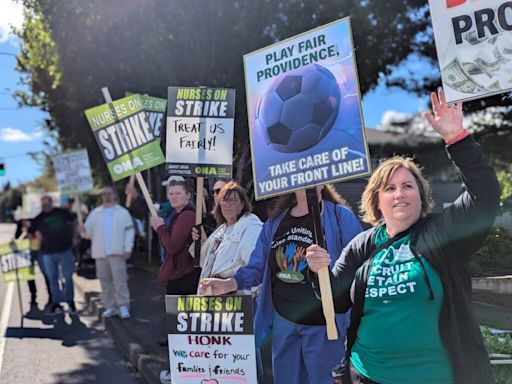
(495, 255)
(499, 344)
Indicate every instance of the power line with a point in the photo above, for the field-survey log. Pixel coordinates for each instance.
(20, 155)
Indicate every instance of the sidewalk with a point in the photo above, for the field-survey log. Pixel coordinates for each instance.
(137, 338)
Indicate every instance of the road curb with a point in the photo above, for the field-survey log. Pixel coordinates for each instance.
(147, 364)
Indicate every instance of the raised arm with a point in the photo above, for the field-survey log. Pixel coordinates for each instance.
(464, 225)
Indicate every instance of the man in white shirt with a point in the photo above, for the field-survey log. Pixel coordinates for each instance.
(110, 228)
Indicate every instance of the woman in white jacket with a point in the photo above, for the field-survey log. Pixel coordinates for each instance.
(229, 247)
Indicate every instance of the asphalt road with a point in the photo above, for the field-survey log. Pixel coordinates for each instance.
(54, 349)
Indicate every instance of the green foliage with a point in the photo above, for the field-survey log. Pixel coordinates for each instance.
(505, 179)
(73, 48)
(494, 255)
(10, 198)
(499, 344)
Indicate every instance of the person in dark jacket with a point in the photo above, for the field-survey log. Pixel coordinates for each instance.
(177, 269)
(412, 319)
(55, 228)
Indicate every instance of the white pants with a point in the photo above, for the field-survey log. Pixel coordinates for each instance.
(111, 272)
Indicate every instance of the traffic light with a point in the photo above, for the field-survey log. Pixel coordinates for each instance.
(2, 169)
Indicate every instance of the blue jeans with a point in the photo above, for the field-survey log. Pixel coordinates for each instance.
(66, 261)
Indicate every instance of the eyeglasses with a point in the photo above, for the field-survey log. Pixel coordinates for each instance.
(229, 201)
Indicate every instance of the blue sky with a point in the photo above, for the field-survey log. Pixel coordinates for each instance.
(20, 131)
(19, 127)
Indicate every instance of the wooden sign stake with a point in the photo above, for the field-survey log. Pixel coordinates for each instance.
(323, 274)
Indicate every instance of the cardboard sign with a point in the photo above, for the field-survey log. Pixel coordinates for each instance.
(474, 49)
(200, 123)
(211, 339)
(15, 261)
(125, 137)
(304, 111)
(73, 172)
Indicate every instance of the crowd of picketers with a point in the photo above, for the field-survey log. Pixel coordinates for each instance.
(401, 288)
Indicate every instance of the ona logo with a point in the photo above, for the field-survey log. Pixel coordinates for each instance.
(127, 165)
(455, 3)
(212, 381)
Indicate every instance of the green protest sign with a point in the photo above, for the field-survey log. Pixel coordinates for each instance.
(15, 261)
(125, 137)
(155, 110)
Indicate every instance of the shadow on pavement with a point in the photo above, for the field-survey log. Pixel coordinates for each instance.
(67, 328)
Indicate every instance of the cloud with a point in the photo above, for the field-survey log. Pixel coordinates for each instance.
(11, 15)
(14, 135)
(391, 116)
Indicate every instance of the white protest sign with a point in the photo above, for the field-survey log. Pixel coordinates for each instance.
(211, 339)
(200, 124)
(73, 172)
(473, 41)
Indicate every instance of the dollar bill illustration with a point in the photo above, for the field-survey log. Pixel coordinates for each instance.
(455, 77)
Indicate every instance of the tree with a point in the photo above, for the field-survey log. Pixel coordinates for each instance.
(71, 49)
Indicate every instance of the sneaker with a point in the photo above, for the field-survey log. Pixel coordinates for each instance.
(71, 308)
(165, 377)
(109, 312)
(56, 309)
(124, 313)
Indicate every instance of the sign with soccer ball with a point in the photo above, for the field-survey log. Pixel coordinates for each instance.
(304, 111)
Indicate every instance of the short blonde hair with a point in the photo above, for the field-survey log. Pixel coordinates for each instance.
(370, 212)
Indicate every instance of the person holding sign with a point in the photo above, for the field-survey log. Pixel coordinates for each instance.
(301, 352)
(229, 247)
(177, 269)
(412, 318)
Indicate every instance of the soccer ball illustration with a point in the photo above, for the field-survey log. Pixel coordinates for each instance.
(298, 109)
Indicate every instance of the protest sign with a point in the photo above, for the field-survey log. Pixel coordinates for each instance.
(15, 261)
(304, 111)
(199, 140)
(73, 172)
(473, 46)
(125, 137)
(211, 339)
(155, 108)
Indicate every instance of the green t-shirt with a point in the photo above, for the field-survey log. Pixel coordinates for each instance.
(398, 340)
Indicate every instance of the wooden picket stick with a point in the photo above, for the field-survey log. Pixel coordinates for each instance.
(323, 274)
(20, 302)
(138, 175)
(199, 219)
(79, 215)
(129, 196)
